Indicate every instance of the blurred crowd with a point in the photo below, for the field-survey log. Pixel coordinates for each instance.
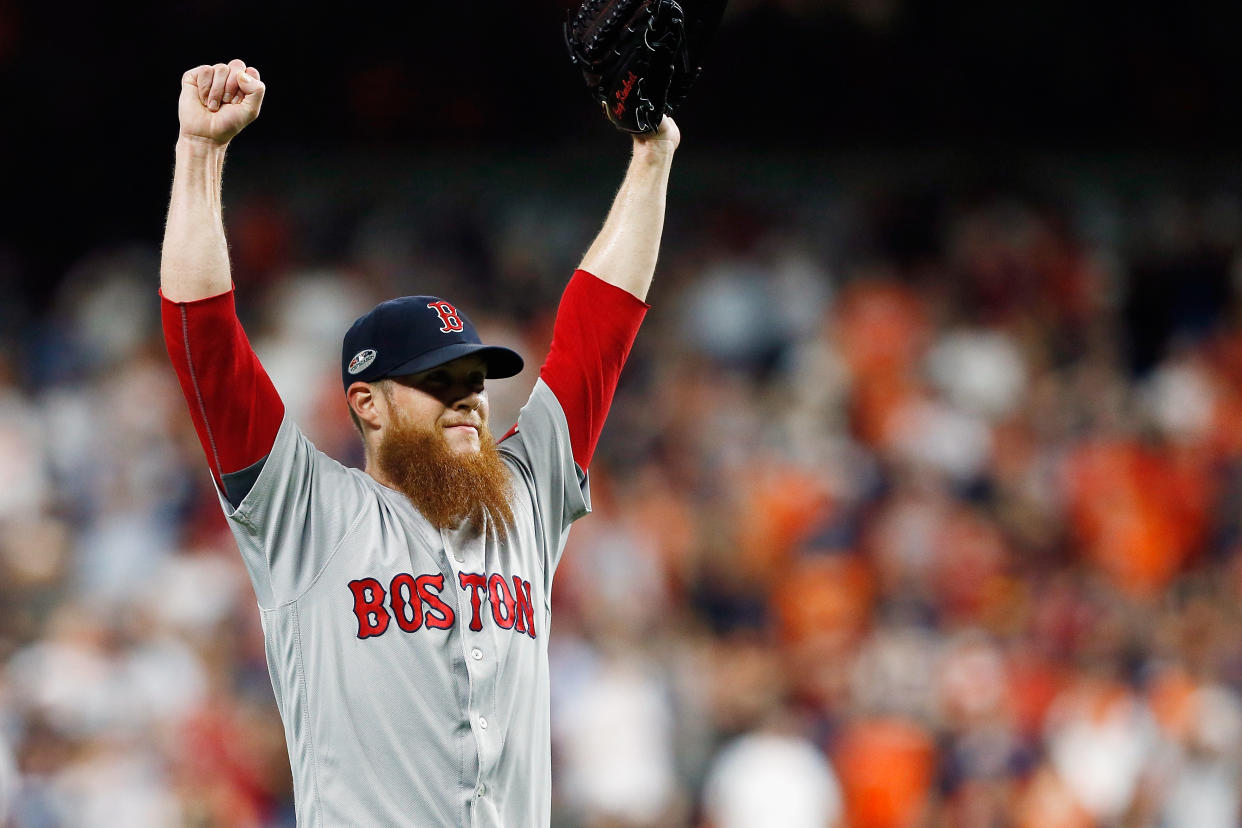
(917, 506)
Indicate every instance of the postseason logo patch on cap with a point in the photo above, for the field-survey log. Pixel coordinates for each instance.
(360, 361)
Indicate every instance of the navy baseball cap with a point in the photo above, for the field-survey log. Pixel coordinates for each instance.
(411, 334)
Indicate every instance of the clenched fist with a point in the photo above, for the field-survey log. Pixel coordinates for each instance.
(217, 102)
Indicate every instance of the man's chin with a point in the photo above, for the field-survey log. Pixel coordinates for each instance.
(464, 447)
(462, 440)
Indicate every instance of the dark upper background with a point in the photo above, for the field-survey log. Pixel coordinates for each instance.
(89, 126)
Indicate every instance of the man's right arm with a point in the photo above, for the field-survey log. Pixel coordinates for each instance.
(216, 103)
(234, 406)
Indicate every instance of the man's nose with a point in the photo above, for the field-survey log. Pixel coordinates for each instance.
(469, 400)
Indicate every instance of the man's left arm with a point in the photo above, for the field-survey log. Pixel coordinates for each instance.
(604, 303)
(624, 253)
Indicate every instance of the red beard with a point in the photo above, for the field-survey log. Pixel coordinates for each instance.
(447, 488)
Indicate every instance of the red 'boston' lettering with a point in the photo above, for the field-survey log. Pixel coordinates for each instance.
(418, 603)
(525, 611)
(405, 599)
(368, 608)
(439, 614)
(498, 589)
(477, 584)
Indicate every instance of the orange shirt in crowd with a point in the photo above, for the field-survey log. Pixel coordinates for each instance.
(886, 767)
(881, 327)
(1138, 514)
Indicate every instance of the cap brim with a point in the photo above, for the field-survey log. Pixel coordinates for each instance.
(501, 362)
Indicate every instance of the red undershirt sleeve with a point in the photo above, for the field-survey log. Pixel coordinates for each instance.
(234, 406)
(595, 328)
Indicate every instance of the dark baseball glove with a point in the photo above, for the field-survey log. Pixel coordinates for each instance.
(640, 57)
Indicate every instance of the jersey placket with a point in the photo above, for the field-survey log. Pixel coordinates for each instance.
(466, 554)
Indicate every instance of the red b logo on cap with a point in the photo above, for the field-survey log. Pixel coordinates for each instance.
(448, 316)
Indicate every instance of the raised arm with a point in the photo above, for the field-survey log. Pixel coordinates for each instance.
(625, 251)
(604, 303)
(234, 406)
(216, 103)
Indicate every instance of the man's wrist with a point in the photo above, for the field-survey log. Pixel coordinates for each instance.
(659, 152)
(199, 147)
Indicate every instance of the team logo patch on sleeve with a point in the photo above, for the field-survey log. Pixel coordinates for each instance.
(361, 360)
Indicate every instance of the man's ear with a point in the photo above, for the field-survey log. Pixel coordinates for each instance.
(367, 403)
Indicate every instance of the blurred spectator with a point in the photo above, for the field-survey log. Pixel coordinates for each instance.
(887, 766)
(1101, 740)
(27, 488)
(769, 779)
(8, 781)
(613, 734)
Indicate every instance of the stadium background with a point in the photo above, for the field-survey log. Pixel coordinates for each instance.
(920, 501)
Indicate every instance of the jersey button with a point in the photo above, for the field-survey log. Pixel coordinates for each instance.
(482, 790)
(483, 723)
(476, 654)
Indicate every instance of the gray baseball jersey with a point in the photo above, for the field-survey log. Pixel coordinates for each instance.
(410, 665)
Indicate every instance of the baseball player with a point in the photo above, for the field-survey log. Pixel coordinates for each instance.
(405, 606)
